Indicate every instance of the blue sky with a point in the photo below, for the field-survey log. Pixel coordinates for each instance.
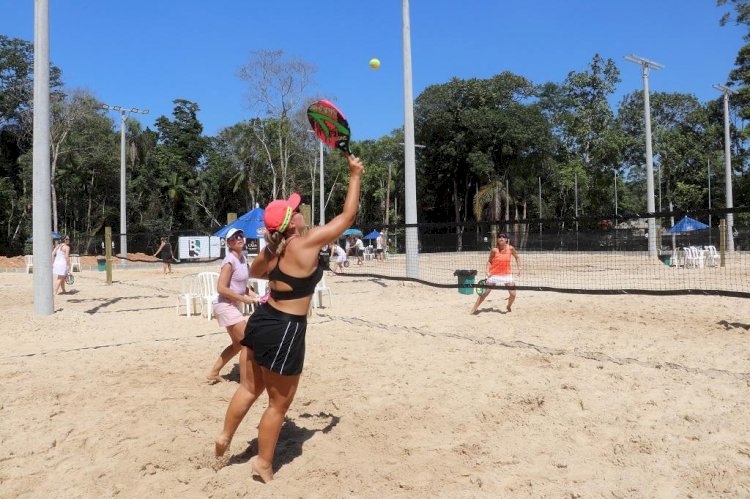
(147, 53)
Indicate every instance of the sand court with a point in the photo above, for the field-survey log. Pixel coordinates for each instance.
(404, 394)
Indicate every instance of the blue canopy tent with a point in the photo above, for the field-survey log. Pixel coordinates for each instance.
(372, 235)
(251, 223)
(352, 232)
(687, 224)
(55, 236)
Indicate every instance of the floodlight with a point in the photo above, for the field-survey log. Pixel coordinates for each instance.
(722, 88)
(643, 61)
(123, 196)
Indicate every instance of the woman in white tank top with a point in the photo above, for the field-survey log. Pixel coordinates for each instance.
(60, 265)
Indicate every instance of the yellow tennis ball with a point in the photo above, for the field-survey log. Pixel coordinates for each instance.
(374, 63)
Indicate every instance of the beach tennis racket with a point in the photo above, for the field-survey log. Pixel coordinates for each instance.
(330, 125)
(69, 279)
(480, 286)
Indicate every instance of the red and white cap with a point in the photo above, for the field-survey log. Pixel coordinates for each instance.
(278, 213)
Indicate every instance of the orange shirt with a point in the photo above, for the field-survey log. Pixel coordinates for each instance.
(500, 263)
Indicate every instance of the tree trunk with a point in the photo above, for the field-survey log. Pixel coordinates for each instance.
(388, 197)
(53, 168)
(457, 212)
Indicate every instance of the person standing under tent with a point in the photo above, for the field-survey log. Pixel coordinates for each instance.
(232, 289)
(380, 247)
(359, 249)
(167, 256)
(273, 350)
(340, 254)
(61, 264)
(499, 271)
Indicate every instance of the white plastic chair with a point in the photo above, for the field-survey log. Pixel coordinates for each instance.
(189, 294)
(259, 285)
(75, 263)
(29, 263)
(321, 288)
(712, 256)
(691, 256)
(209, 295)
(369, 254)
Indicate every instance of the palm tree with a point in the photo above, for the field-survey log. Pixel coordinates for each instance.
(493, 194)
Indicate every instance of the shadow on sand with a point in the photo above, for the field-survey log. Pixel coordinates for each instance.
(291, 439)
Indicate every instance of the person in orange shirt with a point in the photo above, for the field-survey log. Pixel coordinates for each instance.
(499, 272)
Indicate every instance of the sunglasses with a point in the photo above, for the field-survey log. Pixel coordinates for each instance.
(236, 236)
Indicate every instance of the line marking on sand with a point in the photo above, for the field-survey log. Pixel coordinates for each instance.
(595, 356)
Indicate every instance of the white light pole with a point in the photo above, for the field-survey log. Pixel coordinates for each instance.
(322, 184)
(322, 189)
(710, 226)
(615, 197)
(727, 167)
(645, 66)
(410, 178)
(41, 188)
(123, 193)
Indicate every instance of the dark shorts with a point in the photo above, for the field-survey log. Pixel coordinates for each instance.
(277, 339)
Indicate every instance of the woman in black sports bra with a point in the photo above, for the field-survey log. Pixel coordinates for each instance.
(273, 351)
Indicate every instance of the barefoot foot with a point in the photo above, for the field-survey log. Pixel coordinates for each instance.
(264, 473)
(221, 445)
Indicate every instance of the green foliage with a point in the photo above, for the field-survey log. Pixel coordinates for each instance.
(486, 144)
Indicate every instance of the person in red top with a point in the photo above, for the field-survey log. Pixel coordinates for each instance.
(499, 272)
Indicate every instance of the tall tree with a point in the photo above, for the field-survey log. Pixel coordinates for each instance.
(585, 125)
(277, 88)
(681, 146)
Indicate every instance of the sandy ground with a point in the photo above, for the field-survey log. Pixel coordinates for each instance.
(404, 394)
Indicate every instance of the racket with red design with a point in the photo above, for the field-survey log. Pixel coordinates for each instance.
(330, 125)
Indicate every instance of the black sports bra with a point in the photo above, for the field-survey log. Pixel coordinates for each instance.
(301, 286)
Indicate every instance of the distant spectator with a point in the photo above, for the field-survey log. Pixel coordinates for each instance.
(61, 264)
(167, 257)
(380, 247)
(359, 251)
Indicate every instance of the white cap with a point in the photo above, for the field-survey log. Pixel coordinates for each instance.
(232, 232)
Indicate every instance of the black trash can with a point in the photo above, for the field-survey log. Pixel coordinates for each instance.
(465, 277)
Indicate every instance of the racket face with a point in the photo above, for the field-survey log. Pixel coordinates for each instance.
(330, 125)
(69, 279)
(480, 286)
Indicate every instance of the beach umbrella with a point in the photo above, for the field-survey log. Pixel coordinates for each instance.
(352, 232)
(372, 235)
(687, 224)
(251, 223)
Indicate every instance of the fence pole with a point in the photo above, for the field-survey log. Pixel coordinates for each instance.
(108, 252)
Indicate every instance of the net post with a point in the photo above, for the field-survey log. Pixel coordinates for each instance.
(108, 252)
(722, 240)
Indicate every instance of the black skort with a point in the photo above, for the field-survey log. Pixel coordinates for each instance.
(277, 339)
